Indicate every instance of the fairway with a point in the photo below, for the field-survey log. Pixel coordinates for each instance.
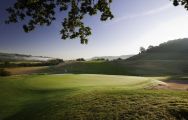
(88, 97)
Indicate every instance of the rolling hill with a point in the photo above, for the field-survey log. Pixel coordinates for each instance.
(170, 58)
(21, 57)
(112, 57)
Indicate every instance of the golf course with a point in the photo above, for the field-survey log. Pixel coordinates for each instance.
(91, 97)
(94, 60)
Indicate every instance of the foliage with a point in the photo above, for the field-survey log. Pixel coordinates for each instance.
(119, 59)
(50, 62)
(80, 59)
(169, 58)
(100, 59)
(150, 47)
(54, 62)
(181, 2)
(142, 49)
(3, 72)
(42, 12)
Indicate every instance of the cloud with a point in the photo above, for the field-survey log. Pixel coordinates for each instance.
(150, 12)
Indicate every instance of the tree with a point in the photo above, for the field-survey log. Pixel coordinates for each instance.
(80, 59)
(142, 49)
(184, 3)
(42, 12)
(3, 72)
(150, 47)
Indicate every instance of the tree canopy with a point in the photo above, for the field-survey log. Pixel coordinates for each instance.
(43, 12)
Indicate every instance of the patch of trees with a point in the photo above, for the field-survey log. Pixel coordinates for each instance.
(100, 59)
(54, 62)
(118, 59)
(31, 64)
(4, 73)
(142, 49)
(178, 45)
(80, 59)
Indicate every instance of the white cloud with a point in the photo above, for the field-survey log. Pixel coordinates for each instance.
(150, 12)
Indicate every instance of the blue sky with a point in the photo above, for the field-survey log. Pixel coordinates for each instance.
(136, 23)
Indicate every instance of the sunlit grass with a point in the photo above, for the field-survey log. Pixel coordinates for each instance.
(91, 97)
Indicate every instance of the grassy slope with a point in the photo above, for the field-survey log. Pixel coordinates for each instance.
(57, 97)
(89, 67)
(166, 59)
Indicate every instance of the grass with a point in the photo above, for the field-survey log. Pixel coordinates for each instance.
(123, 67)
(91, 97)
(90, 67)
(167, 59)
(25, 70)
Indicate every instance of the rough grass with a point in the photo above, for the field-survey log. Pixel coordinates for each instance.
(90, 67)
(25, 70)
(88, 97)
(124, 67)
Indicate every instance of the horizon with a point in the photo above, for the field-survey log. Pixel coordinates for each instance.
(92, 57)
(141, 25)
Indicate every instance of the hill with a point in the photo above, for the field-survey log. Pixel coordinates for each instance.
(10, 60)
(112, 57)
(21, 57)
(168, 58)
(171, 50)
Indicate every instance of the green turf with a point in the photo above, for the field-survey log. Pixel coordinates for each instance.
(123, 67)
(167, 59)
(88, 97)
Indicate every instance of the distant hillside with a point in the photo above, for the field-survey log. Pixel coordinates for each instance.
(112, 57)
(171, 50)
(170, 58)
(21, 57)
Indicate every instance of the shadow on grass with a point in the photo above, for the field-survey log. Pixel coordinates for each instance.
(43, 104)
(177, 79)
(179, 112)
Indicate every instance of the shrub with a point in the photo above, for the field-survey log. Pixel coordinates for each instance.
(54, 62)
(80, 59)
(3, 72)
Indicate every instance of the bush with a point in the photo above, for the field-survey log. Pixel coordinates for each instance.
(54, 62)
(3, 72)
(80, 59)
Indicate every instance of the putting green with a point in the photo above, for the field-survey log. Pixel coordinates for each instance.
(80, 96)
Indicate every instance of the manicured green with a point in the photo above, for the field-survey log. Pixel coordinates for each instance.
(88, 97)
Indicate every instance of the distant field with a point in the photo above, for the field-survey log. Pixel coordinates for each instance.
(167, 59)
(25, 70)
(89, 97)
(90, 67)
(124, 67)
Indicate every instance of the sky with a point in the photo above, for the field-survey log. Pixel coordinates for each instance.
(137, 23)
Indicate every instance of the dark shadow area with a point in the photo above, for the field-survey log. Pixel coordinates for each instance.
(43, 103)
(178, 79)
